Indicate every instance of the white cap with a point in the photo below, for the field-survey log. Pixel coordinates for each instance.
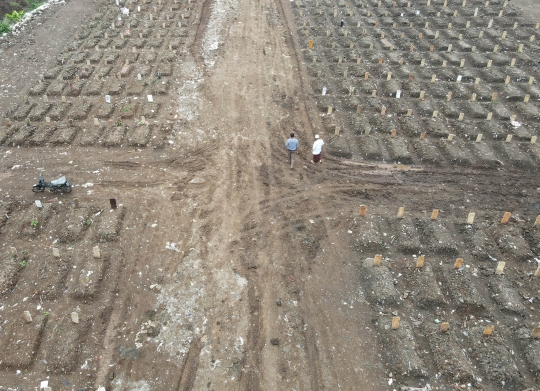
(316, 136)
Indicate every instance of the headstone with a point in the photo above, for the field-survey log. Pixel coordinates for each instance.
(435, 113)
(363, 209)
(323, 91)
(96, 252)
(533, 139)
(56, 252)
(433, 78)
(489, 330)
(330, 109)
(396, 319)
(401, 211)
(536, 331)
(470, 218)
(422, 135)
(461, 115)
(112, 201)
(27, 316)
(508, 138)
(150, 98)
(506, 217)
(107, 98)
(420, 261)
(75, 317)
(393, 134)
(500, 267)
(489, 116)
(398, 94)
(531, 80)
(479, 138)
(422, 95)
(526, 98)
(445, 326)
(458, 263)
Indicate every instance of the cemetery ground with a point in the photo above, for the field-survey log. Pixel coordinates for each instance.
(408, 258)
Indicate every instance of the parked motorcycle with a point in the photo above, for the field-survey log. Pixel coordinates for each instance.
(59, 185)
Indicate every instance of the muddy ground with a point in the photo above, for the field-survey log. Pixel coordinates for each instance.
(224, 269)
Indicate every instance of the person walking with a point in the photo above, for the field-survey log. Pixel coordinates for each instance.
(292, 147)
(317, 149)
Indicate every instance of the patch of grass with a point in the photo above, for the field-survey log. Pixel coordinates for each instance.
(34, 223)
(88, 222)
(22, 264)
(33, 4)
(5, 27)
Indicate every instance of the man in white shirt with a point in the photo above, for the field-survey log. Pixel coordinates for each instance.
(317, 149)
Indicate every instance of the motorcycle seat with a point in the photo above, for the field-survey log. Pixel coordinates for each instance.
(59, 181)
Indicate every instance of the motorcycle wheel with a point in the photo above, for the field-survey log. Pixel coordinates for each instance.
(37, 189)
(66, 189)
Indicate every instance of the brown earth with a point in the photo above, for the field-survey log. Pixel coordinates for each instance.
(222, 268)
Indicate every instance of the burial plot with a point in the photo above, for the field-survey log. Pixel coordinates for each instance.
(64, 135)
(438, 237)
(7, 131)
(494, 357)
(379, 283)
(484, 155)
(38, 89)
(427, 152)
(113, 135)
(21, 112)
(450, 359)
(532, 354)
(85, 280)
(150, 110)
(93, 87)
(462, 289)
(49, 277)
(59, 110)
(426, 292)
(400, 349)
(10, 268)
(38, 111)
(22, 134)
(20, 342)
(64, 343)
(69, 224)
(90, 136)
(398, 150)
(479, 242)
(505, 295)
(456, 152)
(110, 224)
(139, 135)
(406, 237)
(80, 110)
(511, 152)
(56, 87)
(511, 242)
(371, 235)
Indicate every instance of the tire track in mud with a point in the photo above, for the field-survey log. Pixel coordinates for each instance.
(190, 366)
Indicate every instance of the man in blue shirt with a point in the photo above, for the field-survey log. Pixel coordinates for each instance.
(292, 146)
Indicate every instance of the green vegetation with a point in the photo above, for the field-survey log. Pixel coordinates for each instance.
(34, 223)
(88, 222)
(15, 16)
(22, 264)
(5, 27)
